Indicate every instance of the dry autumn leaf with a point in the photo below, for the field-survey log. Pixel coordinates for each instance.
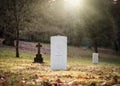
(5, 83)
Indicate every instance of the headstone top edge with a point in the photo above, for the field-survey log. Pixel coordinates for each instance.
(58, 36)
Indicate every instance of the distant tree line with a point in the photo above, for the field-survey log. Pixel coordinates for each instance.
(98, 25)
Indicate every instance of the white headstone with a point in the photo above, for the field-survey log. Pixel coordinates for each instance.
(58, 53)
(95, 58)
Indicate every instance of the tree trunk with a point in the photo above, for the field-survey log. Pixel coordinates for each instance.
(95, 46)
(17, 42)
(16, 27)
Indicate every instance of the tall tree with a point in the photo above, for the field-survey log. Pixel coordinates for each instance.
(17, 11)
(98, 24)
(115, 14)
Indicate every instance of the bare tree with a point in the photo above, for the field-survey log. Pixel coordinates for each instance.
(18, 12)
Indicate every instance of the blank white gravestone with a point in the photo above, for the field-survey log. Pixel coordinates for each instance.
(58, 53)
(95, 58)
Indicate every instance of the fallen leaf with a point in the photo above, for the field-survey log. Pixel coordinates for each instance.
(44, 78)
(5, 83)
(20, 83)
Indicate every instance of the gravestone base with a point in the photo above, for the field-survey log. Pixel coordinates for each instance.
(95, 58)
(38, 59)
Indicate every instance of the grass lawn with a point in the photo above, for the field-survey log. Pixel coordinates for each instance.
(81, 72)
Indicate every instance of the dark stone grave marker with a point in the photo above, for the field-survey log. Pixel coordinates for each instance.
(38, 58)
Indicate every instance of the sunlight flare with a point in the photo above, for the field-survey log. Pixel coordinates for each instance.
(73, 3)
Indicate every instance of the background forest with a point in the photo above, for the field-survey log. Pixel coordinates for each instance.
(93, 23)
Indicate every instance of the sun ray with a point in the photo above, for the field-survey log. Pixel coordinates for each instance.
(73, 3)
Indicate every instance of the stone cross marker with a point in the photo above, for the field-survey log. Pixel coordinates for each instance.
(58, 53)
(39, 46)
(38, 58)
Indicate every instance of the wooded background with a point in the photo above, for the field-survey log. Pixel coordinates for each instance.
(95, 23)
